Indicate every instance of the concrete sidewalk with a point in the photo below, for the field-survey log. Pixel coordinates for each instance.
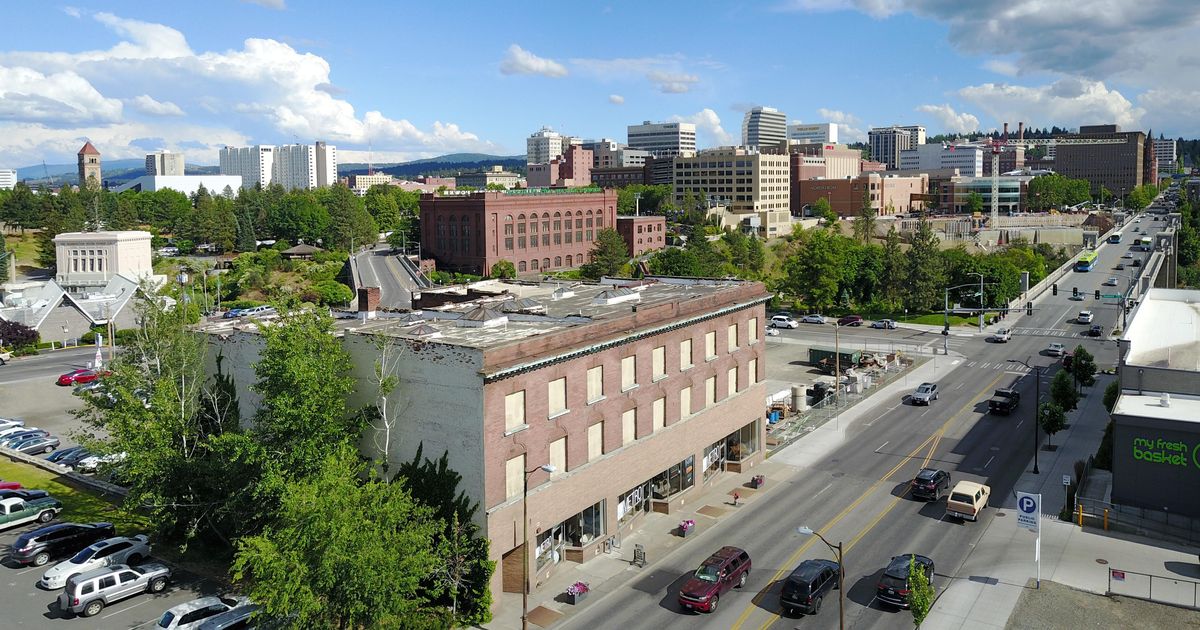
(983, 592)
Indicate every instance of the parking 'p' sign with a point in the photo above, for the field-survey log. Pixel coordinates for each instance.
(1029, 511)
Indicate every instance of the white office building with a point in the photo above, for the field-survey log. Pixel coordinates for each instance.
(253, 164)
(544, 145)
(608, 153)
(8, 178)
(887, 143)
(663, 140)
(164, 163)
(817, 133)
(927, 157)
(326, 164)
(186, 184)
(295, 167)
(1164, 153)
(763, 127)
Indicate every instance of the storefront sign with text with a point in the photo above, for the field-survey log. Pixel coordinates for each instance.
(1168, 452)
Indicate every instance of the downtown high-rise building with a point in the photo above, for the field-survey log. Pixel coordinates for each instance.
(1164, 152)
(545, 145)
(887, 142)
(164, 163)
(817, 133)
(763, 127)
(293, 166)
(253, 164)
(663, 140)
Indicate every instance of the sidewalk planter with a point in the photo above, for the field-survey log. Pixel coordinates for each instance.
(757, 481)
(686, 528)
(577, 592)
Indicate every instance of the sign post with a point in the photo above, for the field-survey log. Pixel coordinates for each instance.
(1029, 516)
(1067, 493)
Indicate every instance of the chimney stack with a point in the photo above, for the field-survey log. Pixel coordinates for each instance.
(1020, 130)
(1005, 136)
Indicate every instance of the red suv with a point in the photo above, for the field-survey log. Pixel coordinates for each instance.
(729, 567)
(850, 320)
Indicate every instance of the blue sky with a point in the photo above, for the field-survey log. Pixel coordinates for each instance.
(416, 80)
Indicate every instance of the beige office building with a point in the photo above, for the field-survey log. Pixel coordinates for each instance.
(748, 182)
(88, 260)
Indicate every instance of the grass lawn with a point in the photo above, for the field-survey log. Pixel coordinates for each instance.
(937, 319)
(24, 248)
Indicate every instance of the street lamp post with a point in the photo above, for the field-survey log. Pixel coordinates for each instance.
(804, 530)
(525, 543)
(946, 312)
(981, 305)
(1037, 402)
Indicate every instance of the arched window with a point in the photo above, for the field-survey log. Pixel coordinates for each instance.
(558, 261)
(570, 260)
(521, 266)
(545, 263)
(534, 263)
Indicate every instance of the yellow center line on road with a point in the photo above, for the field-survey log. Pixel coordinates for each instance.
(932, 441)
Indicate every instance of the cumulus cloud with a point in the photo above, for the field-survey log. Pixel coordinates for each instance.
(278, 5)
(1067, 102)
(708, 123)
(1000, 66)
(849, 126)
(521, 61)
(146, 104)
(616, 99)
(266, 90)
(874, 8)
(667, 73)
(672, 83)
(950, 120)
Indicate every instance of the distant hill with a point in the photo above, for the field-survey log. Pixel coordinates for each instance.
(444, 165)
(71, 171)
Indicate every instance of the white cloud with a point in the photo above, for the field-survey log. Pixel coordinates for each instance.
(616, 99)
(521, 61)
(267, 90)
(708, 123)
(278, 5)
(146, 104)
(1066, 102)
(837, 116)
(1175, 112)
(72, 11)
(874, 8)
(666, 72)
(672, 83)
(849, 126)
(1000, 66)
(950, 120)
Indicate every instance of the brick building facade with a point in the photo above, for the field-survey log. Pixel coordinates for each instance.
(643, 233)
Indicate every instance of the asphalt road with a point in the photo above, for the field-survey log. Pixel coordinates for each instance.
(857, 493)
(379, 267)
(28, 390)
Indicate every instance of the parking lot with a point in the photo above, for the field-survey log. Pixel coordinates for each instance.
(28, 391)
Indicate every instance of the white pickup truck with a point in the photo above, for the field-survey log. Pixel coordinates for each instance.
(1002, 335)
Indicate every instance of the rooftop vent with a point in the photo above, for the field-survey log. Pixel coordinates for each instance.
(424, 331)
(562, 293)
(523, 305)
(482, 317)
(616, 296)
(1165, 399)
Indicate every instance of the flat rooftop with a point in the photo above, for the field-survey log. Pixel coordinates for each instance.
(1182, 407)
(1166, 330)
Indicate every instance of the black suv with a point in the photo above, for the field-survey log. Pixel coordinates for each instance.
(893, 587)
(55, 541)
(806, 587)
(929, 484)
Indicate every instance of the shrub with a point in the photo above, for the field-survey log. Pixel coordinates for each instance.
(16, 335)
(330, 293)
(1103, 459)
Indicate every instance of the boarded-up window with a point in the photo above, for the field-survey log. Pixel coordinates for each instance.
(685, 402)
(514, 484)
(514, 410)
(628, 372)
(595, 441)
(595, 383)
(731, 337)
(752, 371)
(558, 456)
(685, 354)
(628, 426)
(558, 396)
(658, 362)
(731, 382)
(710, 345)
(752, 330)
(710, 391)
(660, 414)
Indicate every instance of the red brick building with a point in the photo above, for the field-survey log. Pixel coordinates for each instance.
(643, 233)
(536, 229)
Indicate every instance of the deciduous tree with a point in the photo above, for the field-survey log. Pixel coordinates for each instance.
(503, 269)
(1062, 391)
(1052, 418)
(920, 594)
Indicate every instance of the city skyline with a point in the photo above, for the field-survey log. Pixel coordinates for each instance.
(137, 79)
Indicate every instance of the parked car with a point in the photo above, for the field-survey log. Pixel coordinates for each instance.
(73, 459)
(16, 511)
(1056, 350)
(24, 495)
(168, 251)
(886, 324)
(1084, 317)
(8, 423)
(1096, 331)
(40, 546)
(88, 593)
(1111, 282)
(1127, 255)
(81, 376)
(850, 320)
(1004, 401)
(92, 463)
(967, 500)
(729, 567)
(10, 485)
(783, 321)
(930, 483)
(1002, 335)
(61, 454)
(190, 615)
(108, 552)
(14, 438)
(924, 394)
(1120, 267)
(812, 318)
(5, 357)
(893, 587)
(806, 586)
(13, 430)
(258, 311)
(236, 618)
(232, 313)
(38, 445)
(1136, 262)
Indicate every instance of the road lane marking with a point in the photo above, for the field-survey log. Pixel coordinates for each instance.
(126, 609)
(989, 461)
(827, 486)
(883, 445)
(932, 441)
(959, 386)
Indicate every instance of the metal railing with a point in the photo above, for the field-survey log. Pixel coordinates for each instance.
(1137, 520)
(1155, 588)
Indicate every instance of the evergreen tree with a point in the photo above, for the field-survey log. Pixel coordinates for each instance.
(756, 255)
(925, 277)
(864, 223)
(607, 257)
(895, 268)
(350, 225)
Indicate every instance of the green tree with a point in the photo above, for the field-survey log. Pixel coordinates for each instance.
(4, 261)
(61, 213)
(895, 269)
(652, 199)
(1083, 366)
(1052, 417)
(503, 269)
(710, 262)
(608, 255)
(350, 225)
(925, 277)
(756, 255)
(1062, 391)
(814, 271)
(381, 205)
(674, 261)
(331, 293)
(974, 203)
(822, 209)
(920, 593)
(864, 223)
(299, 217)
(1111, 393)
(335, 542)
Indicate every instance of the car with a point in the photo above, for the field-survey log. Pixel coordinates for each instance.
(232, 313)
(967, 500)
(110, 551)
(61, 454)
(168, 251)
(1111, 282)
(1136, 263)
(1002, 335)
(893, 587)
(1096, 331)
(72, 460)
(1137, 220)
(805, 587)
(87, 594)
(92, 463)
(89, 386)
(729, 567)
(10, 485)
(40, 546)
(812, 319)
(24, 495)
(886, 324)
(4, 433)
(850, 320)
(783, 321)
(190, 615)
(75, 377)
(929, 484)
(1127, 255)
(1120, 267)
(924, 394)
(8, 423)
(16, 511)
(1004, 401)
(1084, 317)
(1056, 350)
(14, 438)
(236, 618)
(258, 311)
(38, 445)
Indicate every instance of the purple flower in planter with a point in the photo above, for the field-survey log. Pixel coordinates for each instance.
(577, 589)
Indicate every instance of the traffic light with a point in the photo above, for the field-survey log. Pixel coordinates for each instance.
(1029, 308)
(1054, 289)
(1097, 294)
(1074, 291)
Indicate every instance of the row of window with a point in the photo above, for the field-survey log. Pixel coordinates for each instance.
(520, 242)
(544, 263)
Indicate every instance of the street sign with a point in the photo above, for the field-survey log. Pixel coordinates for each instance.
(1066, 480)
(1110, 295)
(1029, 511)
(1118, 575)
